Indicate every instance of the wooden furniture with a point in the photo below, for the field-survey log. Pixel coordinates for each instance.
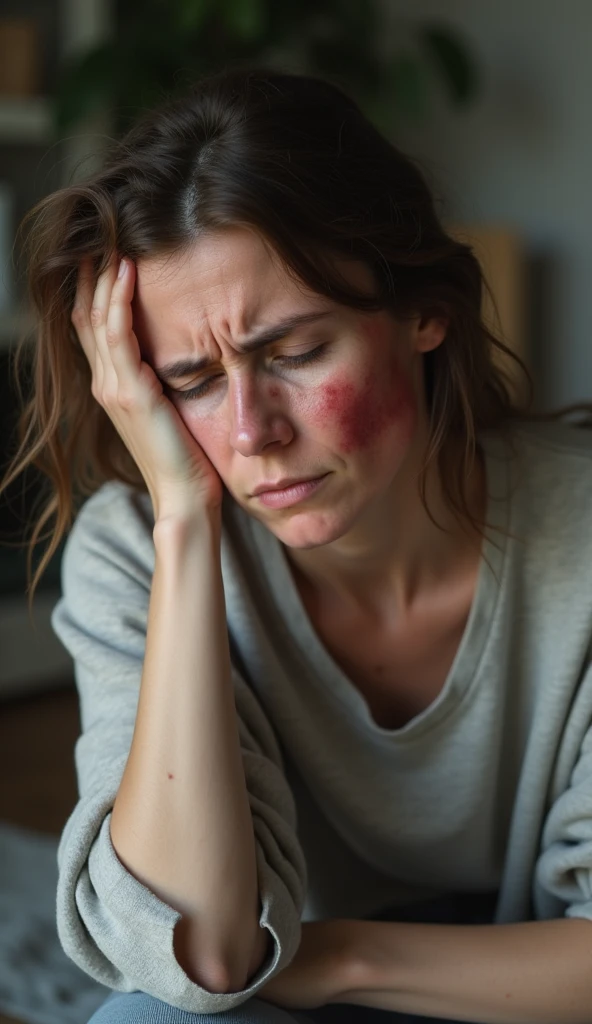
(502, 255)
(38, 787)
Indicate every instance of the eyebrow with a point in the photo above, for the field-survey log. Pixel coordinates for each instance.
(186, 367)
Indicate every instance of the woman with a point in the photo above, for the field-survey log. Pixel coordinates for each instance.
(328, 597)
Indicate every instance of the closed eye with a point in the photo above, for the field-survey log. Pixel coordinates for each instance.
(291, 361)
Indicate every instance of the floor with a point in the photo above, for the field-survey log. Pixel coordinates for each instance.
(37, 777)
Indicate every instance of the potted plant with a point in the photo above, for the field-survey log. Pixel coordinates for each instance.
(160, 46)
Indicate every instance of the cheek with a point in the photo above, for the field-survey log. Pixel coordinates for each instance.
(363, 412)
(209, 432)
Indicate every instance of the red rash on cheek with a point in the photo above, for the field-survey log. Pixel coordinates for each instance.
(364, 411)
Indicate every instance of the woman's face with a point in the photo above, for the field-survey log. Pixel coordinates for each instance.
(338, 397)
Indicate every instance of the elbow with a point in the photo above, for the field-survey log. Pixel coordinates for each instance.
(216, 976)
(221, 978)
(218, 980)
(208, 974)
(237, 977)
(262, 948)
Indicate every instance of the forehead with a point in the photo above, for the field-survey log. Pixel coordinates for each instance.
(220, 289)
(229, 275)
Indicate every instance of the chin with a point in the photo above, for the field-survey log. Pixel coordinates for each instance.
(308, 529)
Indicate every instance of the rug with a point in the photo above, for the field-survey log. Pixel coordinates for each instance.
(38, 982)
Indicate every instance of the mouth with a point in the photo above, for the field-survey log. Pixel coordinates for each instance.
(281, 485)
(285, 493)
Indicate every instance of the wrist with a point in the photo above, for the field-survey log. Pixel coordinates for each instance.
(350, 963)
(173, 527)
(364, 961)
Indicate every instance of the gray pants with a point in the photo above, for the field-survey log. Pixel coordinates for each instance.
(139, 1008)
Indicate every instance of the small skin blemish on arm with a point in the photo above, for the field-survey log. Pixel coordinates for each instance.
(170, 775)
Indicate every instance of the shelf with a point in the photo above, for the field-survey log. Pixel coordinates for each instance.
(26, 120)
(13, 326)
(31, 656)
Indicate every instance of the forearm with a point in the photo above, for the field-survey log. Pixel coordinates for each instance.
(531, 973)
(181, 823)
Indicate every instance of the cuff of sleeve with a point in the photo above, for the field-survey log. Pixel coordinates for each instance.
(125, 938)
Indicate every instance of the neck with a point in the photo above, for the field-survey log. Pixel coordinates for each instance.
(396, 553)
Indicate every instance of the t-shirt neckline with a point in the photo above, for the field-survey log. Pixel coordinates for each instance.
(464, 669)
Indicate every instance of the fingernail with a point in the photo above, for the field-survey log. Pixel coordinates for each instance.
(122, 268)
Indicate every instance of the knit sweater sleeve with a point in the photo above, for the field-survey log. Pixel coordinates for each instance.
(564, 867)
(113, 927)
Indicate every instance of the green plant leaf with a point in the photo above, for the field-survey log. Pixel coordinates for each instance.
(161, 44)
(408, 87)
(190, 14)
(247, 19)
(85, 85)
(451, 60)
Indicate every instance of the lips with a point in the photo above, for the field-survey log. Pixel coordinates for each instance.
(294, 494)
(280, 485)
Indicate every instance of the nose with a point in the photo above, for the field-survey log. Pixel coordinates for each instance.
(257, 418)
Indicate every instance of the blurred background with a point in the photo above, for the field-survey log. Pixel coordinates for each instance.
(492, 98)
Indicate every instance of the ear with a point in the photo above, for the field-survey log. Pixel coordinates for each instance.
(430, 332)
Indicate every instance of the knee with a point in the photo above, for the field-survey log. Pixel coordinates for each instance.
(140, 1008)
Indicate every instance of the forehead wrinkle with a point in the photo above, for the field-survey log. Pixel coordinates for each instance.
(220, 325)
(207, 325)
(185, 367)
(242, 312)
(230, 307)
(209, 341)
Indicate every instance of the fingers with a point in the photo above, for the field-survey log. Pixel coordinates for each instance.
(123, 348)
(81, 311)
(102, 317)
(98, 317)
(87, 316)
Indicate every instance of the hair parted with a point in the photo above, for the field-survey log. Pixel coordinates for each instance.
(293, 157)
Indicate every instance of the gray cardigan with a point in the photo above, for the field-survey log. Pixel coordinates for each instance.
(487, 790)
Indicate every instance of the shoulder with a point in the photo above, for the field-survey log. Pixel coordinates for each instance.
(113, 528)
(553, 461)
(556, 440)
(113, 533)
(550, 458)
(550, 494)
(115, 503)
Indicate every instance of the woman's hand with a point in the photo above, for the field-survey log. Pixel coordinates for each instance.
(180, 478)
(318, 974)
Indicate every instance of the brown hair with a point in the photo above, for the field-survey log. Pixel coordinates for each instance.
(294, 157)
